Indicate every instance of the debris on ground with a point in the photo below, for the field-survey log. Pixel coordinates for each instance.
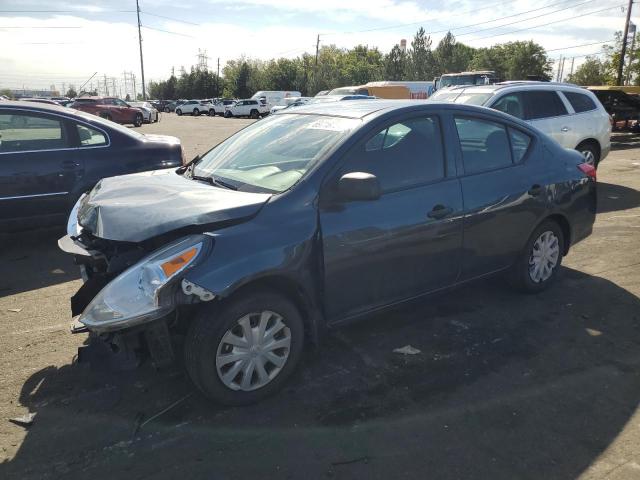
(14, 310)
(25, 420)
(407, 350)
(593, 332)
(364, 459)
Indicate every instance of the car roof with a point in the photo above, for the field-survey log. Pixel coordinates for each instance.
(45, 107)
(517, 85)
(363, 109)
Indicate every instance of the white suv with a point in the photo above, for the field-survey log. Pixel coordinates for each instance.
(571, 115)
(246, 108)
(193, 107)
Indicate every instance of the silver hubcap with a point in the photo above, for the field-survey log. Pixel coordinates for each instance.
(544, 257)
(254, 351)
(589, 157)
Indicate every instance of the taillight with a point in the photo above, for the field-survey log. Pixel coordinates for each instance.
(588, 170)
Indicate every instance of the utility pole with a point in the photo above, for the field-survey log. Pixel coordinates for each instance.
(106, 87)
(562, 69)
(315, 71)
(135, 91)
(558, 72)
(218, 80)
(572, 60)
(624, 43)
(144, 93)
(632, 32)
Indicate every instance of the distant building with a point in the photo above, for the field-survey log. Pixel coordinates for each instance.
(403, 44)
(29, 93)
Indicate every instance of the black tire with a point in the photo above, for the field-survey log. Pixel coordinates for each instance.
(179, 112)
(137, 122)
(167, 110)
(195, 112)
(520, 275)
(157, 118)
(212, 113)
(589, 150)
(227, 114)
(106, 116)
(210, 325)
(254, 114)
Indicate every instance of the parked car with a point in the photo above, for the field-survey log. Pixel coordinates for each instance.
(291, 102)
(311, 218)
(149, 112)
(246, 108)
(569, 114)
(193, 107)
(109, 108)
(271, 98)
(50, 155)
(171, 106)
(220, 106)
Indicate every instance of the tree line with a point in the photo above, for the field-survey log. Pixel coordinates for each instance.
(338, 67)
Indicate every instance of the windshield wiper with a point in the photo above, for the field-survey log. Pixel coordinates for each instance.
(214, 181)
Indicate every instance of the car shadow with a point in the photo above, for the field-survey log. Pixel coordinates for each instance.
(504, 386)
(32, 260)
(613, 198)
(624, 140)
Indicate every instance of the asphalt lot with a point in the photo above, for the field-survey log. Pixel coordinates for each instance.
(506, 386)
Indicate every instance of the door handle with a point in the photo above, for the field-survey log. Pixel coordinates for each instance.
(565, 129)
(439, 211)
(535, 190)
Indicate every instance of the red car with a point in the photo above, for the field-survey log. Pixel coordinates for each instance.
(111, 108)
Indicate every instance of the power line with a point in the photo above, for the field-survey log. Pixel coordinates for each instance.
(577, 46)
(167, 31)
(460, 27)
(169, 18)
(87, 12)
(525, 19)
(34, 26)
(547, 23)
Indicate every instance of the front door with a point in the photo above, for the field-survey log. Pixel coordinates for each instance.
(405, 243)
(38, 167)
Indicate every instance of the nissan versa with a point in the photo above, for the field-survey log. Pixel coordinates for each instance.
(310, 218)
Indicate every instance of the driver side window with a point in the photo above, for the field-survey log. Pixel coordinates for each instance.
(402, 155)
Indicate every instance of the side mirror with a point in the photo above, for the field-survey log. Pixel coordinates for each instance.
(358, 186)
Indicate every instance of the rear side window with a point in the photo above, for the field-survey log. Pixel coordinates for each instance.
(484, 144)
(402, 155)
(580, 102)
(543, 104)
(519, 144)
(90, 137)
(513, 104)
(23, 132)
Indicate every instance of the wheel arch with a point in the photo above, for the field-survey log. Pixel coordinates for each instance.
(590, 141)
(564, 225)
(291, 289)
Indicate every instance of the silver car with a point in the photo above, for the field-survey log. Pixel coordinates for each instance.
(571, 115)
(149, 113)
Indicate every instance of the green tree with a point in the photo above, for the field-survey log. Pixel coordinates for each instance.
(71, 93)
(395, 64)
(6, 92)
(592, 72)
(513, 60)
(421, 64)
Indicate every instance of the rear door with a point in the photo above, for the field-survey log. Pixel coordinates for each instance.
(546, 111)
(408, 241)
(38, 165)
(503, 186)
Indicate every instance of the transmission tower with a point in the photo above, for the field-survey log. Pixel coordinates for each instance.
(202, 61)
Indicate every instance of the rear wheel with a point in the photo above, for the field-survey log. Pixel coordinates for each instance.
(167, 110)
(195, 112)
(212, 113)
(105, 115)
(227, 114)
(178, 111)
(590, 152)
(537, 265)
(246, 350)
(254, 114)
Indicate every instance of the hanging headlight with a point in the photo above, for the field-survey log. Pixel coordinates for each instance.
(135, 296)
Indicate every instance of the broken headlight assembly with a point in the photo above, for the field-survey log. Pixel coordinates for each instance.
(137, 295)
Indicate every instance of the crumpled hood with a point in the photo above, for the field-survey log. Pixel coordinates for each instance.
(133, 208)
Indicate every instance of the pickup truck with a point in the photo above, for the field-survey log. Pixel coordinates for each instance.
(109, 108)
(246, 108)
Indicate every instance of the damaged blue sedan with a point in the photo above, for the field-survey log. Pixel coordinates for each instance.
(311, 218)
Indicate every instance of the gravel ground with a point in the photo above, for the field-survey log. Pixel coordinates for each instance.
(506, 386)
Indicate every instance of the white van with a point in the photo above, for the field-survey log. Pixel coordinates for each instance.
(271, 98)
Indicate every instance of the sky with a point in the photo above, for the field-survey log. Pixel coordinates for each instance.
(65, 42)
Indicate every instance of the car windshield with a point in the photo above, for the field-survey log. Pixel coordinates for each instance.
(273, 154)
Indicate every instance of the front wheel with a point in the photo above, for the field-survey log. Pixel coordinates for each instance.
(254, 114)
(227, 114)
(179, 112)
(167, 110)
(537, 265)
(137, 122)
(246, 350)
(195, 112)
